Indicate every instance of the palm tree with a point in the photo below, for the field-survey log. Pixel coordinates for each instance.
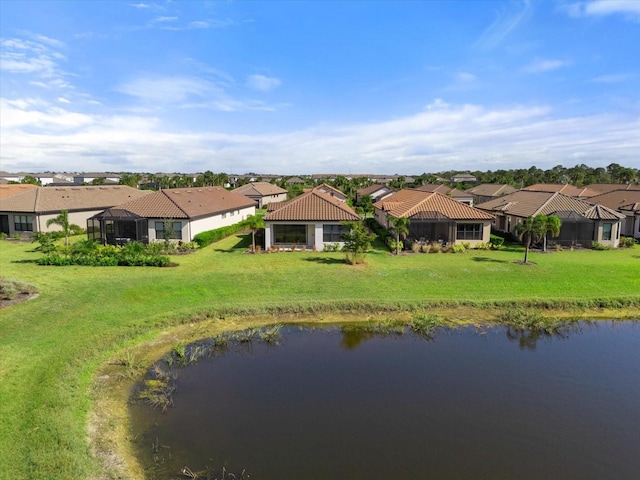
(530, 228)
(63, 221)
(399, 226)
(552, 224)
(254, 222)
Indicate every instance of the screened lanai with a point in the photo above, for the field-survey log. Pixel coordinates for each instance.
(576, 229)
(431, 226)
(116, 227)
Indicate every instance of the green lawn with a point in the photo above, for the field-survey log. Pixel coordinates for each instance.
(51, 347)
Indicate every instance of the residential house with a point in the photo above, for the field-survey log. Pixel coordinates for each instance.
(564, 188)
(10, 189)
(310, 220)
(263, 193)
(89, 178)
(626, 202)
(376, 191)
(582, 222)
(174, 213)
(29, 211)
(434, 217)
(489, 191)
(463, 178)
(610, 187)
(329, 190)
(456, 194)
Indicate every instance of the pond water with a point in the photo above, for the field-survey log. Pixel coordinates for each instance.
(467, 403)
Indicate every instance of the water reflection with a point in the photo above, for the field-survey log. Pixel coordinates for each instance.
(348, 402)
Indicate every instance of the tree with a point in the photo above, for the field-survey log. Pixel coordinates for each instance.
(130, 179)
(357, 241)
(400, 227)
(255, 223)
(32, 180)
(551, 225)
(63, 221)
(530, 228)
(365, 206)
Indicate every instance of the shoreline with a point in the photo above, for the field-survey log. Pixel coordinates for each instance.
(109, 422)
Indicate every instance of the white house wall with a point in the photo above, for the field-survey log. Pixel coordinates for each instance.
(315, 234)
(191, 228)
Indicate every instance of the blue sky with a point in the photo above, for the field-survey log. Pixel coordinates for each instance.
(293, 87)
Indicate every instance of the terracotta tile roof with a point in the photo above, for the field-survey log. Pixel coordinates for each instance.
(313, 206)
(492, 189)
(187, 203)
(371, 189)
(525, 203)
(55, 199)
(407, 203)
(261, 189)
(565, 188)
(434, 187)
(14, 189)
(323, 187)
(619, 200)
(610, 187)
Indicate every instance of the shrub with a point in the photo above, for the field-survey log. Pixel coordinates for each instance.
(331, 247)
(458, 248)
(392, 244)
(496, 241)
(425, 247)
(599, 246)
(435, 248)
(206, 238)
(627, 242)
(482, 246)
(415, 247)
(76, 229)
(3, 235)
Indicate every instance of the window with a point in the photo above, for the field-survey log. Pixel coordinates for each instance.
(469, 231)
(174, 230)
(332, 233)
(606, 231)
(23, 223)
(290, 233)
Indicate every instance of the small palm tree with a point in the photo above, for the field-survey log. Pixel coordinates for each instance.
(552, 225)
(530, 228)
(399, 226)
(63, 221)
(255, 223)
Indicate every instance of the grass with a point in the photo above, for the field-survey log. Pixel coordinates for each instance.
(53, 347)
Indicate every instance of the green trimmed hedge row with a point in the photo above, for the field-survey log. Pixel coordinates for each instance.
(206, 238)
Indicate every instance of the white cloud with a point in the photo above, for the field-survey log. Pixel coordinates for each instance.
(465, 77)
(63, 100)
(614, 78)
(164, 19)
(166, 90)
(503, 25)
(600, 8)
(540, 66)
(262, 82)
(441, 137)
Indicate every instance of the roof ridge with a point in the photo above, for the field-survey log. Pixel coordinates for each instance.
(172, 201)
(553, 196)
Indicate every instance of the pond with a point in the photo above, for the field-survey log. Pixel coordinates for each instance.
(465, 403)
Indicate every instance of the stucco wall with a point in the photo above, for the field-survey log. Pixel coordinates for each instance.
(191, 228)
